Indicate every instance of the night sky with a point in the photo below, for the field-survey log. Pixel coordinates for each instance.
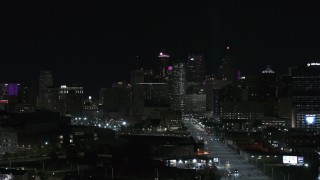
(97, 43)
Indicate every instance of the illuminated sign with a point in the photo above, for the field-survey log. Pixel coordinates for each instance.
(170, 68)
(292, 160)
(215, 160)
(310, 119)
(4, 101)
(300, 160)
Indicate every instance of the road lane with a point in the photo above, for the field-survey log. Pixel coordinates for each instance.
(229, 159)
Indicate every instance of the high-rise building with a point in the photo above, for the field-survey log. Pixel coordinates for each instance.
(270, 83)
(195, 73)
(71, 100)
(164, 65)
(195, 103)
(27, 99)
(10, 92)
(212, 89)
(149, 96)
(227, 69)
(136, 99)
(154, 94)
(306, 96)
(45, 81)
(251, 101)
(178, 87)
(117, 99)
(8, 140)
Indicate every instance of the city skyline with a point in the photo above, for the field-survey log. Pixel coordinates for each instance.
(98, 43)
(159, 90)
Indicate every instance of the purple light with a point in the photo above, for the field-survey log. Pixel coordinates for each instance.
(170, 68)
(13, 89)
(238, 75)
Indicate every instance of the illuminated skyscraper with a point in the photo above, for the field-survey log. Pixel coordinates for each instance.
(178, 87)
(306, 96)
(195, 72)
(45, 81)
(164, 65)
(195, 75)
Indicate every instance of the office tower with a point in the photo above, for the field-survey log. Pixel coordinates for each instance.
(71, 100)
(91, 110)
(8, 140)
(136, 99)
(54, 103)
(149, 96)
(101, 96)
(10, 92)
(117, 99)
(163, 65)
(195, 103)
(154, 94)
(306, 96)
(251, 102)
(212, 89)
(27, 99)
(45, 81)
(195, 72)
(269, 80)
(227, 70)
(178, 87)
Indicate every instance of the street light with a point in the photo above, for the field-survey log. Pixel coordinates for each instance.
(157, 177)
(111, 171)
(257, 163)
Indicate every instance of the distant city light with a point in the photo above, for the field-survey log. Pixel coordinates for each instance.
(313, 64)
(163, 55)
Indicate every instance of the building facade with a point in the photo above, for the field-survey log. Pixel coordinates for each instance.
(306, 96)
(45, 81)
(178, 87)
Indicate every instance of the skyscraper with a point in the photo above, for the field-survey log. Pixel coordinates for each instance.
(306, 96)
(164, 65)
(195, 75)
(45, 81)
(178, 87)
(136, 98)
(195, 72)
(227, 69)
(71, 100)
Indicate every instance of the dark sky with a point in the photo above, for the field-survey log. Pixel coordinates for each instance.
(96, 43)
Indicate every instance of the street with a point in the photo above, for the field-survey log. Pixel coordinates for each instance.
(229, 160)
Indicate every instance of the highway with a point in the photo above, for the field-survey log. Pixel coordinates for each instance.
(229, 159)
